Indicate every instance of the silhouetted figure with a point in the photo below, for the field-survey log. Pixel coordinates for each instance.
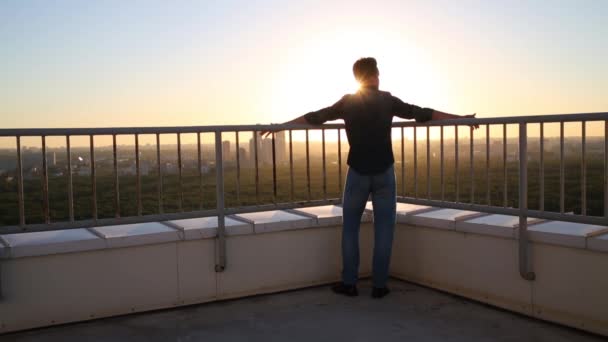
(368, 116)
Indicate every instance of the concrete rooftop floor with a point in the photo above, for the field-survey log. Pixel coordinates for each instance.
(409, 313)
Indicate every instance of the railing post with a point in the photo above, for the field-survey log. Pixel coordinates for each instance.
(219, 188)
(524, 260)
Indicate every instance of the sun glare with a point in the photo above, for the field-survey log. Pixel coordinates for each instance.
(316, 74)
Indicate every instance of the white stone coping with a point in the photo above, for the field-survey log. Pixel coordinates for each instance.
(328, 215)
(206, 227)
(50, 242)
(493, 224)
(562, 233)
(442, 218)
(598, 243)
(136, 234)
(406, 210)
(84, 239)
(276, 220)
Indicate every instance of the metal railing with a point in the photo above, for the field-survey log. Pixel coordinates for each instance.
(221, 210)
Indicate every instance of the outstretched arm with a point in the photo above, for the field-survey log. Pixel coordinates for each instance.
(318, 117)
(410, 111)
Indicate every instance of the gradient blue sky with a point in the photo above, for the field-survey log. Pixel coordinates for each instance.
(157, 63)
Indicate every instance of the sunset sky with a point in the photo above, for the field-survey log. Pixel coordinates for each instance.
(160, 63)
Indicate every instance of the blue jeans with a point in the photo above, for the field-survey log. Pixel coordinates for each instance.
(356, 192)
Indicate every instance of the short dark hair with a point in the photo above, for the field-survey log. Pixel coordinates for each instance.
(364, 68)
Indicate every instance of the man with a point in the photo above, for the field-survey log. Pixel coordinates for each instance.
(368, 115)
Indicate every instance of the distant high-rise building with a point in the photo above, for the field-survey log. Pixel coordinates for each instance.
(54, 160)
(243, 156)
(226, 149)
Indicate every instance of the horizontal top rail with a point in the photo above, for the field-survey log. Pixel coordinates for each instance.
(10, 132)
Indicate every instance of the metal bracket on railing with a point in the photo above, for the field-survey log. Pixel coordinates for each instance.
(524, 255)
(220, 265)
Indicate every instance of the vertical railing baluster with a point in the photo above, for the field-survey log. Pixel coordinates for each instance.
(199, 164)
(257, 169)
(415, 163)
(402, 162)
(561, 169)
(274, 169)
(606, 169)
(20, 197)
(524, 262)
(488, 199)
(583, 169)
(323, 167)
(428, 162)
(116, 179)
(308, 166)
(542, 168)
(70, 181)
(471, 164)
(505, 198)
(93, 181)
(339, 161)
(238, 170)
(179, 171)
(291, 182)
(45, 184)
(219, 191)
(137, 177)
(456, 162)
(159, 181)
(441, 163)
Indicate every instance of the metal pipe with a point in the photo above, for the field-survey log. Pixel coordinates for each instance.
(561, 169)
(542, 168)
(524, 262)
(93, 181)
(505, 199)
(442, 176)
(70, 184)
(577, 117)
(488, 199)
(116, 180)
(547, 215)
(583, 169)
(323, 167)
(199, 164)
(471, 163)
(402, 162)
(257, 170)
(606, 169)
(456, 159)
(428, 162)
(180, 204)
(45, 184)
(308, 166)
(415, 163)
(138, 176)
(238, 170)
(339, 161)
(274, 169)
(219, 188)
(291, 184)
(168, 216)
(159, 175)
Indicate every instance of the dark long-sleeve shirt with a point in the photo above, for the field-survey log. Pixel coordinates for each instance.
(368, 116)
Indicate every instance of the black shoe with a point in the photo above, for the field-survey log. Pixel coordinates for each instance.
(379, 292)
(347, 290)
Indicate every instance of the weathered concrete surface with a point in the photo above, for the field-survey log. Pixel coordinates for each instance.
(409, 313)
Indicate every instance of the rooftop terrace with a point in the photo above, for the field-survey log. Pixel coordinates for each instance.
(409, 313)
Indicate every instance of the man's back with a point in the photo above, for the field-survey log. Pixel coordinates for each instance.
(368, 115)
